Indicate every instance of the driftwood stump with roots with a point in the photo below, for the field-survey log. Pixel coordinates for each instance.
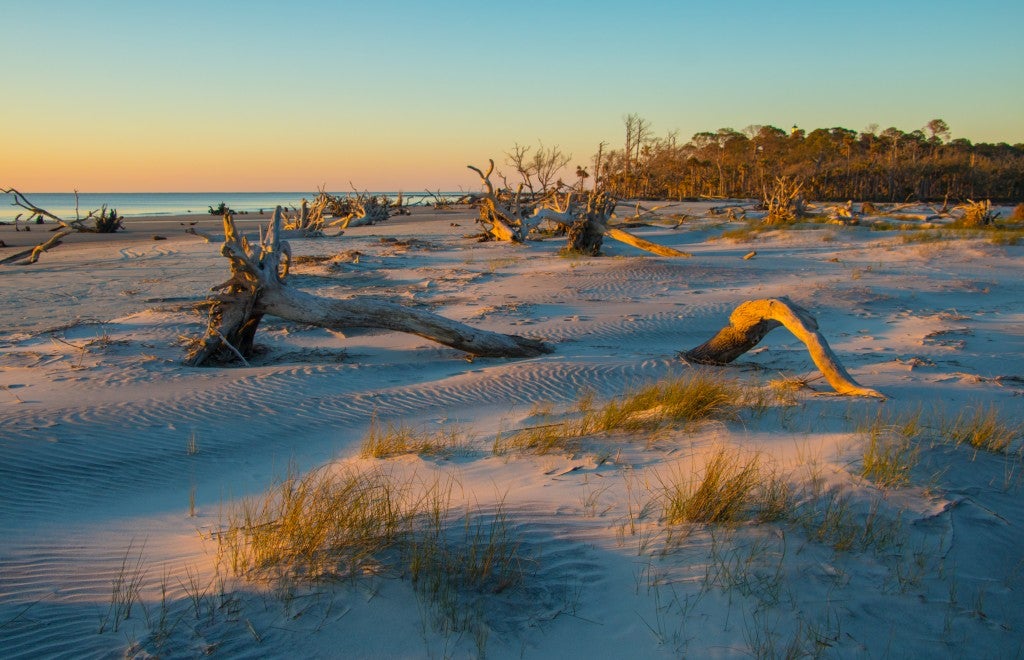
(752, 320)
(257, 286)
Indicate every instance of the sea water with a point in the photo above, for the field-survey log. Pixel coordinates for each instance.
(161, 204)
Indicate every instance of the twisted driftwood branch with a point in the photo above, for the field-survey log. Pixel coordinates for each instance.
(752, 320)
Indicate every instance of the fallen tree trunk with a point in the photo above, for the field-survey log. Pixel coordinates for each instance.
(257, 287)
(752, 320)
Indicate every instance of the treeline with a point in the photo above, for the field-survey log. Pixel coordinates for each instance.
(833, 164)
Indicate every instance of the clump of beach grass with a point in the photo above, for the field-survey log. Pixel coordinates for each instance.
(686, 400)
(922, 236)
(983, 428)
(748, 232)
(832, 519)
(323, 524)
(387, 440)
(732, 487)
(486, 557)
(891, 448)
(1006, 236)
(560, 437)
(125, 590)
(347, 524)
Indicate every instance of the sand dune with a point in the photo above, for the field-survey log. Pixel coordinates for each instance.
(119, 464)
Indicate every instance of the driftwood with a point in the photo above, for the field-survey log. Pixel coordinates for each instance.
(257, 287)
(343, 211)
(104, 222)
(584, 218)
(31, 255)
(976, 214)
(752, 320)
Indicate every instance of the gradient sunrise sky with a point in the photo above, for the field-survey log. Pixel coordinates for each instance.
(119, 96)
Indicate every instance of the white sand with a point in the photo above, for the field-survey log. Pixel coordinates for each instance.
(97, 414)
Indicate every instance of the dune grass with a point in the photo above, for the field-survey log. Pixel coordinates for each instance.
(678, 401)
(983, 428)
(557, 438)
(891, 448)
(125, 589)
(330, 525)
(385, 441)
(324, 524)
(834, 520)
(732, 487)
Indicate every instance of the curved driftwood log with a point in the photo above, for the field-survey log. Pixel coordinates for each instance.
(752, 320)
(257, 287)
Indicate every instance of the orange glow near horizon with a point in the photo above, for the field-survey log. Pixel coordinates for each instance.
(205, 96)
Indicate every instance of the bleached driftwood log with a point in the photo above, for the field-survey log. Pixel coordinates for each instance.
(752, 320)
(507, 216)
(257, 287)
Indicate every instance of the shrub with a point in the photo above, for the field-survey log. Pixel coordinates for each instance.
(108, 222)
(222, 209)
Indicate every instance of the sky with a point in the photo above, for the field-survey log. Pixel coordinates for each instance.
(129, 96)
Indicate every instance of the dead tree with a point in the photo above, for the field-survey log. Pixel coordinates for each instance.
(508, 216)
(257, 287)
(754, 319)
(501, 212)
(782, 201)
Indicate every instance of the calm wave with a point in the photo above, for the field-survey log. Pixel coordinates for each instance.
(156, 204)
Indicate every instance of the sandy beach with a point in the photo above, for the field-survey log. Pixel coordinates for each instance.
(121, 469)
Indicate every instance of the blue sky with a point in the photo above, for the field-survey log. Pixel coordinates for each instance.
(266, 95)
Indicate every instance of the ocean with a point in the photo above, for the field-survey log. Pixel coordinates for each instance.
(177, 203)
